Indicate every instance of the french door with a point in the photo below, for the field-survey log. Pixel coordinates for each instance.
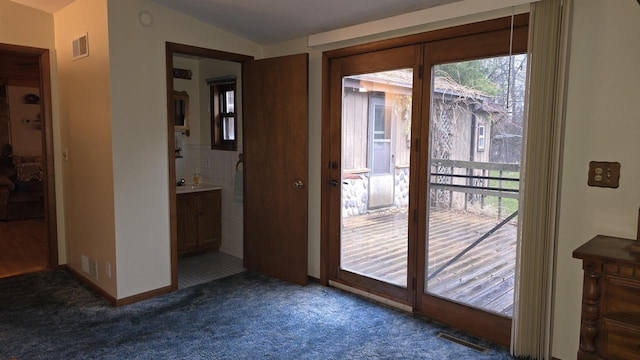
(372, 101)
(422, 175)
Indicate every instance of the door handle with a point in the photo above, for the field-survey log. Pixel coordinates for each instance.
(298, 184)
(334, 182)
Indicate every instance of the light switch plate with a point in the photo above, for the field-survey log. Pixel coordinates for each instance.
(604, 174)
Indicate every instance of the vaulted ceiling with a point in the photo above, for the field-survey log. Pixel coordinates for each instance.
(267, 22)
(270, 21)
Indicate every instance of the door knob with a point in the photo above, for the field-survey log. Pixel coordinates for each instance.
(298, 184)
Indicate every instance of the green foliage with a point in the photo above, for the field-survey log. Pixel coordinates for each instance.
(473, 74)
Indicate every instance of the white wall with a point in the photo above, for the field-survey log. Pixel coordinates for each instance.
(140, 145)
(86, 118)
(601, 124)
(21, 25)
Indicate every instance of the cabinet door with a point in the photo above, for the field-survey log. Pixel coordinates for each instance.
(209, 219)
(187, 221)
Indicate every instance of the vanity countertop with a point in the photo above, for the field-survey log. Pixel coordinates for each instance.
(189, 188)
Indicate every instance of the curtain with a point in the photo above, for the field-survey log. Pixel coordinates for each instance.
(549, 26)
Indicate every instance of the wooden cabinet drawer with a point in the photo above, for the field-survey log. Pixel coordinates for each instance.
(621, 297)
(619, 341)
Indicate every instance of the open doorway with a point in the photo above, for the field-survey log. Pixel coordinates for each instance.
(205, 158)
(28, 240)
(269, 198)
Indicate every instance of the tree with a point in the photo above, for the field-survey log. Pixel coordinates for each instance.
(501, 78)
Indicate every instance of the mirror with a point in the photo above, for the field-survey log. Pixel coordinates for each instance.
(181, 111)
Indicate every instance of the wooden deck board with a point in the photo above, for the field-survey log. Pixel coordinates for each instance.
(376, 245)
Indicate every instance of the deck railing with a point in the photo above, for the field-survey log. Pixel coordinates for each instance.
(475, 178)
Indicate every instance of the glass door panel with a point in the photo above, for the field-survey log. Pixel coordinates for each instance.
(376, 139)
(475, 147)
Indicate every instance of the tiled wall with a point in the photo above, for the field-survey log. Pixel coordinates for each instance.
(219, 168)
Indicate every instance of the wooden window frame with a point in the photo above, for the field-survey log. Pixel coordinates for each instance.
(217, 139)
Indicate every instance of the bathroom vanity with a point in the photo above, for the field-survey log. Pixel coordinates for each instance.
(198, 218)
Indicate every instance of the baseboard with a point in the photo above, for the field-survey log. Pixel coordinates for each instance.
(143, 296)
(113, 301)
(110, 299)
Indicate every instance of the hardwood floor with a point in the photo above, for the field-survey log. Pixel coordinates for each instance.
(23, 247)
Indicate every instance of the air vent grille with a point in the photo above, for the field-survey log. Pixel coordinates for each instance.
(81, 47)
(468, 344)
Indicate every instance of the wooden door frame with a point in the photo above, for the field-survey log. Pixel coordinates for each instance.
(44, 68)
(172, 49)
(464, 320)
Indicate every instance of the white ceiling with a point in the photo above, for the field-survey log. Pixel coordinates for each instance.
(50, 6)
(271, 21)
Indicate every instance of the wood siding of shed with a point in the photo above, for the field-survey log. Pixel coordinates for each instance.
(355, 130)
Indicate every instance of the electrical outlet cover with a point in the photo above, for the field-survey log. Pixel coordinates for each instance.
(604, 174)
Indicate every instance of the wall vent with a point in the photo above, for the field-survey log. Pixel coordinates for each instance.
(85, 264)
(462, 342)
(93, 269)
(81, 47)
(90, 266)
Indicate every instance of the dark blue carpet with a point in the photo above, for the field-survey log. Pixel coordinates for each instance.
(246, 316)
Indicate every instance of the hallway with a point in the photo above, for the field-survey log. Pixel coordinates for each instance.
(23, 247)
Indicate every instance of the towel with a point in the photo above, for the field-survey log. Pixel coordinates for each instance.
(237, 186)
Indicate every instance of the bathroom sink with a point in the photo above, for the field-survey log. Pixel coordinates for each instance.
(194, 188)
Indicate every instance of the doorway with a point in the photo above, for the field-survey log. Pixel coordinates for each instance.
(434, 136)
(269, 160)
(201, 174)
(27, 187)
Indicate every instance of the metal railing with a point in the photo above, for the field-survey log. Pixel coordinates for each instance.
(474, 184)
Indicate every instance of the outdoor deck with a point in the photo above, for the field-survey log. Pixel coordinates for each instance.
(376, 245)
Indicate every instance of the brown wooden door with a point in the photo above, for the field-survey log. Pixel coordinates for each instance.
(275, 96)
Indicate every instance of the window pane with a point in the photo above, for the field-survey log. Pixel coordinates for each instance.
(228, 128)
(376, 129)
(474, 190)
(229, 103)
